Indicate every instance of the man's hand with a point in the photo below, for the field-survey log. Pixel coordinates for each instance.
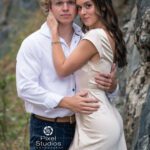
(107, 82)
(80, 103)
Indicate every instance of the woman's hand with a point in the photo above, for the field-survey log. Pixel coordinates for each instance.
(52, 22)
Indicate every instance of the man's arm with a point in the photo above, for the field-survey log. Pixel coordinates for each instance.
(108, 82)
(80, 103)
(28, 70)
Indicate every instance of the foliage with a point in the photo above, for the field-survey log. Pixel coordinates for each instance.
(14, 120)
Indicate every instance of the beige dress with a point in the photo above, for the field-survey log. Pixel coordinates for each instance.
(102, 130)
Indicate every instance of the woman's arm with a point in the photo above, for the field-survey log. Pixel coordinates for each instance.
(82, 53)
(65, 66)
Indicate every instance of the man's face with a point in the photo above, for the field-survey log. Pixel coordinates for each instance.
(64, 10)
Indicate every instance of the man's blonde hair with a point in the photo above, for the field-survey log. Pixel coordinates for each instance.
(45, 5)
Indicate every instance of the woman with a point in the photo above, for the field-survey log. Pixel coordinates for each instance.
(101, 46)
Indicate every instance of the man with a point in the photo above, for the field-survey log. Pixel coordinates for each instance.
(51, 100)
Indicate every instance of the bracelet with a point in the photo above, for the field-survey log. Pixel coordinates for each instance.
(56, 42)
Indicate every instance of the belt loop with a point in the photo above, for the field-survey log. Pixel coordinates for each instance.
(55, 119)
(70, 119)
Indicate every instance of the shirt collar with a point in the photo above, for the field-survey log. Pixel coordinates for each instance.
(45, 30)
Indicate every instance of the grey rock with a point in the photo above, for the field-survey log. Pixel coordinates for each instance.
(138, 79)
(143, 138)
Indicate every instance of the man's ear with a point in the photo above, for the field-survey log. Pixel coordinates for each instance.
(49, 5)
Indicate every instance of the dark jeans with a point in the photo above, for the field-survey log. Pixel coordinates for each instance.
(46, 135)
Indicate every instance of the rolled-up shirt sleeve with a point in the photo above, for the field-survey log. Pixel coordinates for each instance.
(114, 94)
(28, 71)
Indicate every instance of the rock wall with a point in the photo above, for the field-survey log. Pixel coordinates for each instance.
(138, 78)
(142, 142)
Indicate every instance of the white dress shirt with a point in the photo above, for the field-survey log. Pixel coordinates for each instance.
(37, 81)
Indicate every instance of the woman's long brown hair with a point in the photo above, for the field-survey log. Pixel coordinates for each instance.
(110, 21)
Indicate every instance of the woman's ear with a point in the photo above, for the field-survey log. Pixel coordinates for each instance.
(103, 9)
(101, 12)
(98, 13)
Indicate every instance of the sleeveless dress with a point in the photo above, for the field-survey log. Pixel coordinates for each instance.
(103, 129)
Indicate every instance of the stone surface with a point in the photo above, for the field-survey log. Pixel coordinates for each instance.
(143, 140)
(138, 78)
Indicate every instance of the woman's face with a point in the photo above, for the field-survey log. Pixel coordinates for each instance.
(87, 12)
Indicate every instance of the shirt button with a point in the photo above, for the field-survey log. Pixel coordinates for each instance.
(73, 89)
